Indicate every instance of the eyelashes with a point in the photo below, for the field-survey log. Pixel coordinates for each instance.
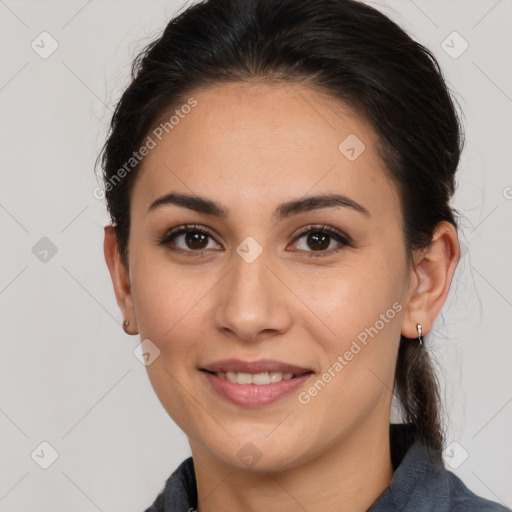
(201, 234)
(342, 239)
(168, 239)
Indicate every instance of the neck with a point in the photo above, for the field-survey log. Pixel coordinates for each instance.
(349, 477)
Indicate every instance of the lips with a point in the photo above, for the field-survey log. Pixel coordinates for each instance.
(255, 383)
(260, 366)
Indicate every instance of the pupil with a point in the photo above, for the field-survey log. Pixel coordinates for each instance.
(322, 239)
(193, 238)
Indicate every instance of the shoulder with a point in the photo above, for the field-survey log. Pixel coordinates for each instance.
(422, 482)
(464, 500)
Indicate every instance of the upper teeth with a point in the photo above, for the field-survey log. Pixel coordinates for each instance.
(254, 378)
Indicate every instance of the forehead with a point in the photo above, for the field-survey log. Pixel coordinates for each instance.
(248, 144)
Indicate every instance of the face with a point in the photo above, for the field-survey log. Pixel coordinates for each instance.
(318, 285)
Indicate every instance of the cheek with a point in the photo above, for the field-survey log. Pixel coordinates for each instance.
(354, 299)
(358, 314)
(168, 308)
(167, 299)
(170, 303)
(356, 380)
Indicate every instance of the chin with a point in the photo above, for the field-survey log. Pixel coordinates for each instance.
(261, 455)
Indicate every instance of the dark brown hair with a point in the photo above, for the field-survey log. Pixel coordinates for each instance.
(355, 54)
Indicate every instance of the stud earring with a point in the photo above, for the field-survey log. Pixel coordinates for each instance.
(419, 334)
(125, 326)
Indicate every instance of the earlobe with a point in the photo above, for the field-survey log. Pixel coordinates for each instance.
(120, 277)
(431, 276)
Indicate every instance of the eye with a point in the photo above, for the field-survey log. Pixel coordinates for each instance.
(319, 238)
(195, 239)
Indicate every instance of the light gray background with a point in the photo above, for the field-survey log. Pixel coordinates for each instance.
(68, 373)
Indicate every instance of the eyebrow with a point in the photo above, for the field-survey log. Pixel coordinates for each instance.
(304, 204)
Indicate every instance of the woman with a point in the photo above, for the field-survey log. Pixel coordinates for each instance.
(279, 176)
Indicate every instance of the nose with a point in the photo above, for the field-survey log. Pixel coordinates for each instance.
(252, 302)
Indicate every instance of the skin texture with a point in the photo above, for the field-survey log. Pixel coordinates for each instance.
(252, 147)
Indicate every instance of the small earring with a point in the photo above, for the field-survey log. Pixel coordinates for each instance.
(125, 326)
(419, 334)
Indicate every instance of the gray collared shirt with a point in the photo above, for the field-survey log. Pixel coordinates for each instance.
(420, 483)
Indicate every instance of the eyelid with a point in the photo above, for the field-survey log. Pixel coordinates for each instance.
(182, 229)
(338, 235)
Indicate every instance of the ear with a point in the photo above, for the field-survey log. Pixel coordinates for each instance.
(431, 274)
(120, 278)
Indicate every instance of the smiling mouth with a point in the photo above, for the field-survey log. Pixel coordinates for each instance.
(260, 379)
